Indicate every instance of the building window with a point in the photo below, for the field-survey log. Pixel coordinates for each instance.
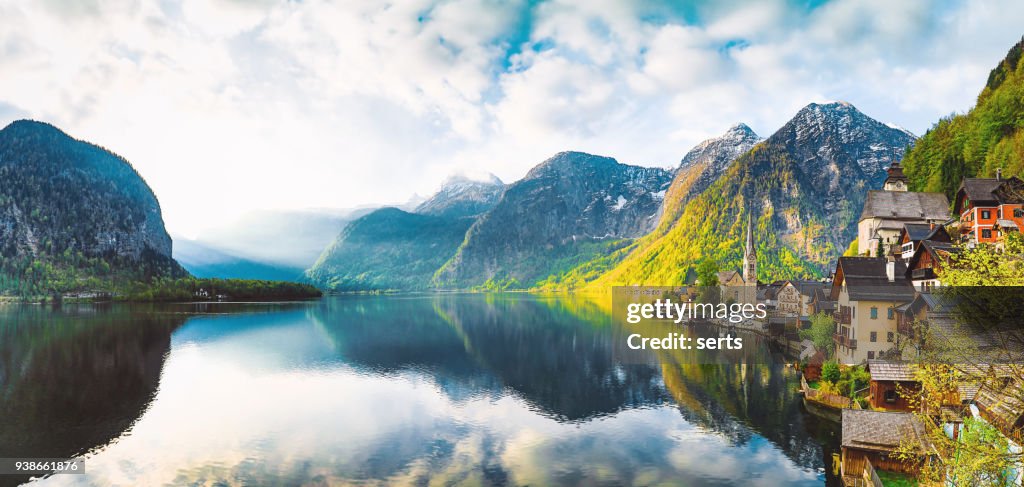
(985, 214)
(890, 336)
(986, 233)
(871, 355)
(874, 336)
(890, 313)
(874, 313)
(1018, 212)
(890, 395)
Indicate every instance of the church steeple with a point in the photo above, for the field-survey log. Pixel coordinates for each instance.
(896, 181)
(750, 255)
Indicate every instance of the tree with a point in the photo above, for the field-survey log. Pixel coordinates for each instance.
(979, 456)
(822, 328)
(707, 272)
(707, 277)
(981, 286)
(830, 372)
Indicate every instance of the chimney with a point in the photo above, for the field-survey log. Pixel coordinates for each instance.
(890, 270)
(999, 173)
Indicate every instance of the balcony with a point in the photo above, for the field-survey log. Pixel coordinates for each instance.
(921, 274)
(843, 315)
(844, 341)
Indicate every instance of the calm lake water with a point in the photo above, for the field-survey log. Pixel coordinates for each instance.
(431, 389)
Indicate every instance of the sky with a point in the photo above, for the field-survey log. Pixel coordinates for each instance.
(227, 106)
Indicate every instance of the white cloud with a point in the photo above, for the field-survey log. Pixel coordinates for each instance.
(226, 105)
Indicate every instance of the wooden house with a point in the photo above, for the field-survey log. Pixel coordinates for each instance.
(913, 234)
(924, 268)
(892, 385)
(870, 439)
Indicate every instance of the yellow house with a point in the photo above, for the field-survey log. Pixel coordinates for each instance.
(867, 291)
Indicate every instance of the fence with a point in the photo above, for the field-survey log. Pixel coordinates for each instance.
(826, 398)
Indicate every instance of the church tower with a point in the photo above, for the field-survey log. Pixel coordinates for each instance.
(750, 256)
(896, 181)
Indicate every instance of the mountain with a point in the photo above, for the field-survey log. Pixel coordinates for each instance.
(70, 210)
(708, 160)
(298, 236)
(804, 186)
(394, 249)
(569, 209)
(975, 144)
(461, 196)
(204, 261)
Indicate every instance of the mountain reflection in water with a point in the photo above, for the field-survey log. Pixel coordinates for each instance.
(472, 389)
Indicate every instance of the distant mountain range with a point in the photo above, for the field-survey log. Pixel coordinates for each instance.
(578, 219)
(567, 209)
(394, 249)
(72, 212)
(803, 186)
(264, 244)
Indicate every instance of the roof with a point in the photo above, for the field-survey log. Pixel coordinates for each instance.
(980, 190)
(922, 231)
(807, 287)
(905, 205)
(989, 191)
(940, 252)
(866, 280)
(885, 370)
(1003, 223)
(881, 430)
(726, 276)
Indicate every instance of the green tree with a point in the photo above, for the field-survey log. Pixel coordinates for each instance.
(822, 328)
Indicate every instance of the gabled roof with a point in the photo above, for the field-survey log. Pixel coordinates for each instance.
(989, 191)
(806, 287)
(726, 276)
(892, 371)
(881, 431)
(940, 252)
(917, 232)
(866, 280)
(905, 205)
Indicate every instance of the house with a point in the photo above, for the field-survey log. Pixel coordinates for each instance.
(871, 437)
(1000, 401)
(913, 234)
(867, 291)
(768, 294)
(925, 266)
(886, 211)
(981, 203)
(933, 316)
(892, 385)
(822, 301)
(788, 299)
(794, 297)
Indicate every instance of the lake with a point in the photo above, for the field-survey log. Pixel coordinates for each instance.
(401, 390)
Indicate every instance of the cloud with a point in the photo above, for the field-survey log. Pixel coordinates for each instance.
(236, 105)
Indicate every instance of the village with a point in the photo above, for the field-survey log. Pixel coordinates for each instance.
(883, 306)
